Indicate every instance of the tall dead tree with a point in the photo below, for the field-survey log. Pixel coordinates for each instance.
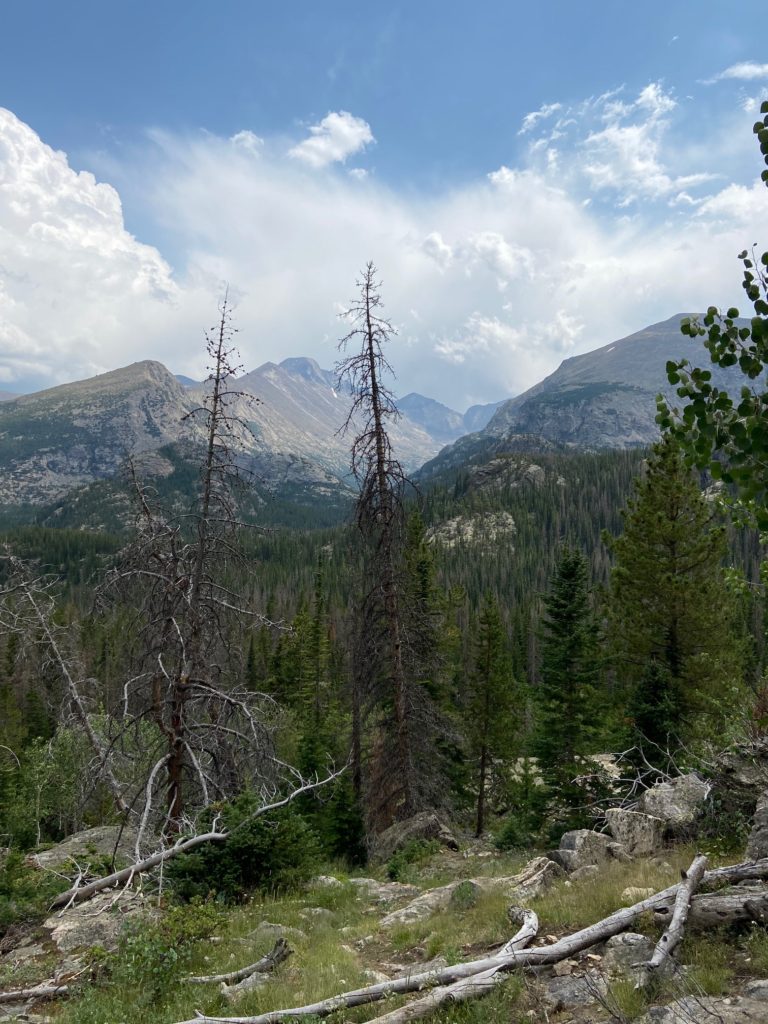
(212, 734)
(385, 698)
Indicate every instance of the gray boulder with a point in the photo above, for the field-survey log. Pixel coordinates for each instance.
(568, 992)
(97, 922)
(423, 826)
(639, 834)
(85, 847)
(678, 803)
(626, 955)
(383, 893)
(535, 877)
(580, 848)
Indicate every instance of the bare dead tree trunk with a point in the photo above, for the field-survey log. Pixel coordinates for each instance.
(380, 519)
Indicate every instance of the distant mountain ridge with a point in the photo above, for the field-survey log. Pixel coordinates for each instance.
(605, 398)
(73, 435)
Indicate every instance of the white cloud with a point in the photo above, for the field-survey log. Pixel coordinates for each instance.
(439, 250)
(336, 137)
(73, 281)
(507, 274)
(531, 120)
(746, 71)
(248, 140)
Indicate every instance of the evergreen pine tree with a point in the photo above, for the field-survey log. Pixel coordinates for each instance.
(568, 716)
(671, 614)
(492, 711)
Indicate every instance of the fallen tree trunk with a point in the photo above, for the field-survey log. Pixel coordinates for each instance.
(279, 952)
(48, 990)
(673, 935)
(476, 987)
(727, 907)
(79, 893)
(612, 925)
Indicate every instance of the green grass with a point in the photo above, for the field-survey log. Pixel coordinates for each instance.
(338, 950)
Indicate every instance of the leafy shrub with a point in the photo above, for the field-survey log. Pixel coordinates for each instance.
(152, 955)
(275, 852)
(514, 833)
(149, 960)
(415, 852)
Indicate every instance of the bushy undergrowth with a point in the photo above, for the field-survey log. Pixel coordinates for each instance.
(418, 851)
(272, 853)
(25, 893)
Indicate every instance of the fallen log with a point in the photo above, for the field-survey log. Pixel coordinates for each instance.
(476, 987)
(614, 924)
(673, 935)
(279, 952)
(80, 893)
(726, 907)
(48, 990)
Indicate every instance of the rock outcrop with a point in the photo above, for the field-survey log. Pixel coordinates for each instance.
(581, 848)
(76, 851)
(421, 827)
(677, 803)
(639, 834)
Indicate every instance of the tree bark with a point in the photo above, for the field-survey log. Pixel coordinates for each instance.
(727, 907)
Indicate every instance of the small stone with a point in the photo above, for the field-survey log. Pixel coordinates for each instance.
(635, 894)
(563, 968)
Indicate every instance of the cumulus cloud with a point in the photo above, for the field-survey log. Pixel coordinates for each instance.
(336, 137)
(492, 283)
(73, 280)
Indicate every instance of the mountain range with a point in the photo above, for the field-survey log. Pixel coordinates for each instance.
(62, 439)
(57, 442)
(605, 398)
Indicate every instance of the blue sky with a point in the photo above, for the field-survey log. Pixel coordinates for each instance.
(533, 181)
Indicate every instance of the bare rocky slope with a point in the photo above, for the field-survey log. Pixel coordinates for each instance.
(602, 399)
(66, 438)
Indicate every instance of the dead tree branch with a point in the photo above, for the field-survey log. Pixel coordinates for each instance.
(484, 972)
(48, 990)
(673, 935)
(78, 894)
(279, 952)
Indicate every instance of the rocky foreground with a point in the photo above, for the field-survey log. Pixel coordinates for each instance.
(581, 965)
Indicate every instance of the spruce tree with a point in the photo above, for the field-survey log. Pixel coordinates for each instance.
(671, 615)
(567, 709)
(493, 713)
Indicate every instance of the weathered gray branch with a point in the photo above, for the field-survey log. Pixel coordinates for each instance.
(501, 962)
(77, 894)
(279, 952)
(673, 935)
(48, 990)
